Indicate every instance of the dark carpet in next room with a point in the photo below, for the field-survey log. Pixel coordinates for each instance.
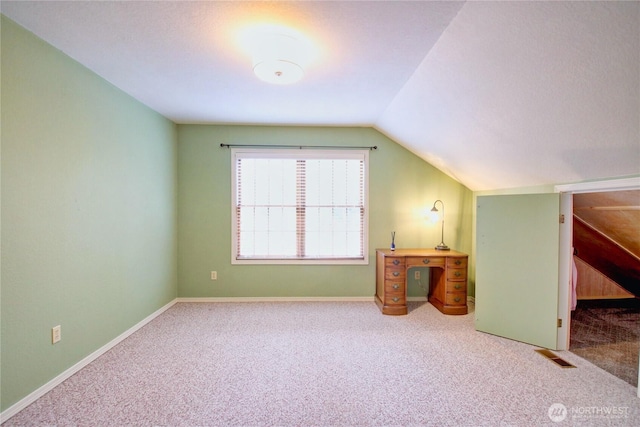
(606, 333)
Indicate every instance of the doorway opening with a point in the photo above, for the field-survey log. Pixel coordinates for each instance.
(606, 239)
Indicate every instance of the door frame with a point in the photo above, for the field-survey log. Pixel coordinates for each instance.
(565, 269)
(566, 242)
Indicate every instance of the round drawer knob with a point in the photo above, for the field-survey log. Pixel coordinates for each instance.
(457, 286)
(458, 262)
(426, 261)
(396, 273)
(396, 286)
(396, 299)
(457, 274)
(457, 299)
(396, 262)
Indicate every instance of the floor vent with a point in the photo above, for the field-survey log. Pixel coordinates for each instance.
(554, 358)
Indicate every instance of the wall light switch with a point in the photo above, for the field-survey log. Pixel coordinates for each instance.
(214, 275)
(56, 334)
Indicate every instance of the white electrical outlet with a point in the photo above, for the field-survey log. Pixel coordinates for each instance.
(416, 275)
(214, 275)
(56, 334)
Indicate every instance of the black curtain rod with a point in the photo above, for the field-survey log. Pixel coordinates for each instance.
(342, 147)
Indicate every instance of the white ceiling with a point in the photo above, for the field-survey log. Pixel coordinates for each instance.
(495, 94)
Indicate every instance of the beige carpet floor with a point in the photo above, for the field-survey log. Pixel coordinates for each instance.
(328, 364)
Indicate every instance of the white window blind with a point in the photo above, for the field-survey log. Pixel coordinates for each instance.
(299, 205)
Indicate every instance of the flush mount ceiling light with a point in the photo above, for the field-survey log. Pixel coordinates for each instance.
(278, 71)
(278, 60)
(279, 54)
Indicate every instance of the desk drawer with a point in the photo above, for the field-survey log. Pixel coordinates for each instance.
(391, 287)
(395, 299)
(457, 262)
(394, 273)
(456, 274)
(391, 262)
(425, 262)
(456, 298)
(457, 286)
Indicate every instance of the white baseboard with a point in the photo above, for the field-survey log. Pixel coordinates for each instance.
(288, 299)
(277, 299)
(44, 389)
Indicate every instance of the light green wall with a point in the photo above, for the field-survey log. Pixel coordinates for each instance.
(401, 188)
(88, 212)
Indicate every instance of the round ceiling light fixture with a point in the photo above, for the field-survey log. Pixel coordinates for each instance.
(278, 71)
(278, 58)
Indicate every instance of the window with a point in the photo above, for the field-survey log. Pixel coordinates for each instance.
(299, 206)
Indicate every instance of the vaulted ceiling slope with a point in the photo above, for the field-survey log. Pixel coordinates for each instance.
(517, 94)
(495, 94)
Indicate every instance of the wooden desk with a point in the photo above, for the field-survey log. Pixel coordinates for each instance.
(447, 284)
